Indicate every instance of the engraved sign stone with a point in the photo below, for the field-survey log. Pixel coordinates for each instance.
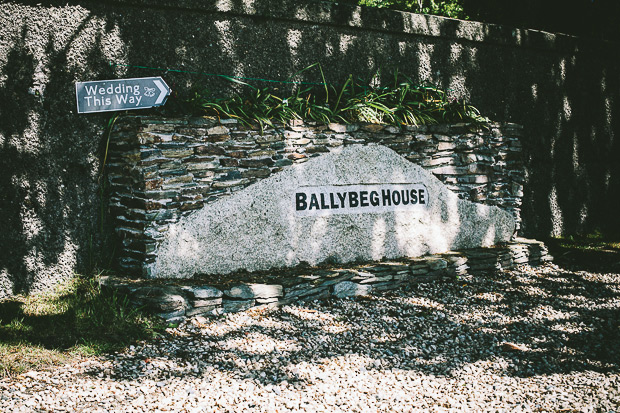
(356, 203)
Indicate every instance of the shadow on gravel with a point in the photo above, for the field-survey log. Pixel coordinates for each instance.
(567, 321)
(559, 322)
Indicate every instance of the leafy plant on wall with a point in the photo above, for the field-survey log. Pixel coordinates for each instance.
(403, 102)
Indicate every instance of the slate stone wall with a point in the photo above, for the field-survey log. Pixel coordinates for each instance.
(181, 299)
(161, 169)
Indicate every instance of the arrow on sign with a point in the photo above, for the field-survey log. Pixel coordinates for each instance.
(121, 94)
(163, 91)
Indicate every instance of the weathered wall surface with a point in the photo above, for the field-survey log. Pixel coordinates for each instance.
(563, 90)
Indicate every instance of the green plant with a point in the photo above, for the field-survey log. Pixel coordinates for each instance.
(107, 133)
(401, 103)
(446, 8)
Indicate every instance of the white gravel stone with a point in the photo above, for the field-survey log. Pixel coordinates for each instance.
(433, 347)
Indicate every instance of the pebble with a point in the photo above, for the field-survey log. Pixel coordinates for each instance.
(530, 339)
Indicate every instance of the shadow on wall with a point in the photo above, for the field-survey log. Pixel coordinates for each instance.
(49, 202)
(561, 89)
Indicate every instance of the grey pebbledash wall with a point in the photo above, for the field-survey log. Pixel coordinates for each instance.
(162, 169)
(563, 90)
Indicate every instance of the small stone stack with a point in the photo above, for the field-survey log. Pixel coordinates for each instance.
(161, 169)
(520, 251)
(174, 303)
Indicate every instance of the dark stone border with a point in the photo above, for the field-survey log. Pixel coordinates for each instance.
(176, 300)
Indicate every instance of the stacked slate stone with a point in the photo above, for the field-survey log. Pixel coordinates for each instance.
(176, 303)
(162, 169)
(521, 251)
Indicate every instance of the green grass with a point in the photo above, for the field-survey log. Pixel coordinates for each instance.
(590, 242)
(78, 320)
(402, 102)
(591, 252)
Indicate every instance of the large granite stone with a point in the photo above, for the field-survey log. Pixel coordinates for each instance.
(262, 226)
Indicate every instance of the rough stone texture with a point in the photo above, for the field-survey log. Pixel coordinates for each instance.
(203, 292)
(351, 289)
(562, 89)
(304, 284)
(240, 292)
(202, 311)
(165, 300)
(265, 291)
(235, 306)
(257, 228)
(215, 302)
(145, 202)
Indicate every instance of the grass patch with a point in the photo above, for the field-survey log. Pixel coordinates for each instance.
(79, 319)
(20, 357)
(591, 242)
(591, 252)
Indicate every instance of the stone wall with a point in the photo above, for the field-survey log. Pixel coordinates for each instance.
(562, 89)
(179, 300)
(161, 169)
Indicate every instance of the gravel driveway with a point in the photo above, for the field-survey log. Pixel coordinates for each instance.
(543, 339)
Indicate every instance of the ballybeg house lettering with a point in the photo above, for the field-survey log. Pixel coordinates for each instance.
(355, 199)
